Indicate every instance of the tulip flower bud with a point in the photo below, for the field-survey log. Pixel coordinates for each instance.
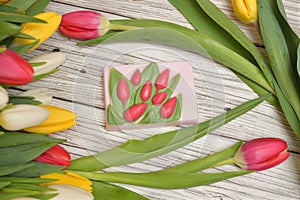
(123, 91)
(262, 153)
(3, 97)
(70, 192)
(22, 116)
(56, 155)
(136, 77)
(69, 178)
(40, 31)
(59, 119)
(14, 69)
(162, 80)
(146, 91)
(134, 112)
(39, 94)
(84, 25)
(50, 61)
(245, 10)
(168, 108)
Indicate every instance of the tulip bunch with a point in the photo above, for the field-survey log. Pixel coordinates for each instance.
(146, 97)
(218, 37)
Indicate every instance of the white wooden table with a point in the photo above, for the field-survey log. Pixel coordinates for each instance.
(78, 86)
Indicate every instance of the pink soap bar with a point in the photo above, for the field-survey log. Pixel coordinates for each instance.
(149, 95)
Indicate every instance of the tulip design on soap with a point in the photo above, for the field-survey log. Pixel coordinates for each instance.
(144, 97)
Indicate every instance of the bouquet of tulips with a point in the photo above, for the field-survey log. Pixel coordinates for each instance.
(34, 165)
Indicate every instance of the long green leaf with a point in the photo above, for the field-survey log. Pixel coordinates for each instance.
(291, 37)
(19, 18)
(139, 150)
(12, 139)
(21, 4)
(25, 180)
(22, 153)
(37, 169)
(37, 7)
(278, 53)
(298, 60)
(106, 191)
(207, 16)
(4, 184)
(187, 39)
(166, 180)
(8, 29)
(6, 170)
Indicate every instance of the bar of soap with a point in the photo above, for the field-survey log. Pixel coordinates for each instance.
(149, 95)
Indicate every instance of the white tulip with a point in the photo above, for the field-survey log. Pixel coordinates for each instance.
(39, 94)
(22, 116)
(53, 60)
(70, 192)
(3, 97)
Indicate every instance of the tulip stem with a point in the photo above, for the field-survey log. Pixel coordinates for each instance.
(225, 162)
(122, 27)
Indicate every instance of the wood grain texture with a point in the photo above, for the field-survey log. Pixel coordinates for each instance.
(78, 86)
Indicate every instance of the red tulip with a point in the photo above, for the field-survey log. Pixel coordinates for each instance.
(146, 91)
(56, 155)
(14, 69)
(162, 80)
(260, 154)
(84, 25)
(168, 108)
(136, 77)
(159, 98)
(134, 112)
(123, 90)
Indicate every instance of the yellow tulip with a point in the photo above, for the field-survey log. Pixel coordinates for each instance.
(59, 119)
(40, 31)
(69, 178)
(4, 1)
(245, 10)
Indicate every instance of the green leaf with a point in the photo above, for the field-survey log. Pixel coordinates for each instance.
(28, 186)
(13, 139)
(187, 39)
(107, 191)
(37, 7)
(205, 162)
(298, 60)
(9, 194)
(8, 29)
(23, 48)
(291, 37)
(21, 4)
(227, 24)
(163, 180)
(22, 153)
(206, 25)
(37, 169)
(6, 170)
(37, 64)
(3, 184)
(19, 18)
(23, 35)
(150, 73)
(23, 100)
(10, 9)
(25, 180)
(281, 65)
(38, 77)
(139, 150)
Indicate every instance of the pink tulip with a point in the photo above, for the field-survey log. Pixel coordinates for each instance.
(136, 77)
(56, 155)
(168, 108)
(84, 25)
(262, 153)
(159, 98)
(162, 80)
(14, 69)
(134, 112)
(123, 91)
(146, 91)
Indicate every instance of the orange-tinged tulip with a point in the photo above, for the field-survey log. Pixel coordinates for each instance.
(59, 119)
(40, 31)
(69, 178)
